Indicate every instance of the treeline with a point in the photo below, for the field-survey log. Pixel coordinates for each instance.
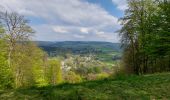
(78, 47)
(145, 36)
(22, 63)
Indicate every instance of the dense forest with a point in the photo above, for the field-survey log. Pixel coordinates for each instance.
(145, 36)
(145, 49)
(78, 47)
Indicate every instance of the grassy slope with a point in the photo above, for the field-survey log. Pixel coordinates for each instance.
(156, 86)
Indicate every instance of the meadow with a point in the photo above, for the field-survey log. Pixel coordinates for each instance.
(121, 87)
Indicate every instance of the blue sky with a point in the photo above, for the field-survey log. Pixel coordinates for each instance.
(71, 20)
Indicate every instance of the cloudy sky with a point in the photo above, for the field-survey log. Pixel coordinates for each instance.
(71, 20)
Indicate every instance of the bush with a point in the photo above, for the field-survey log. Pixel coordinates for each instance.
(97, 76)
(97, 69)
(82, 70)
(91, 76)
(72, 77)
(102, 75)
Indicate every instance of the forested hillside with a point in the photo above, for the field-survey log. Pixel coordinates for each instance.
(78, 47)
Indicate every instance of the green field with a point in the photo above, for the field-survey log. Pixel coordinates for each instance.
(147, 87)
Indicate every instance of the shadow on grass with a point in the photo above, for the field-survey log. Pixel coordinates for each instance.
(85, 90)
(119, 87)
(89, 89)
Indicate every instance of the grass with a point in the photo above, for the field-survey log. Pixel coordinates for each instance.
(147, 87)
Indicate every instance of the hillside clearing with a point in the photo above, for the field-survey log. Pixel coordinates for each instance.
(155, 86)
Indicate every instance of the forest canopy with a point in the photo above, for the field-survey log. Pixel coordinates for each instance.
(145, 36)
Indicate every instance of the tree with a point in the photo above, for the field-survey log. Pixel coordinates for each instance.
(161, 48)
(28, 68)
(5, 72)
(133, 32)
(145, 35)
(17, 32)
(16, 29)
(54, 73)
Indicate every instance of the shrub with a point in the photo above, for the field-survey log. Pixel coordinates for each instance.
(97, 69)
(102, 75)
(72, 77)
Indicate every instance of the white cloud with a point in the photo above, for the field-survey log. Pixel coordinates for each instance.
(74, 17)
(99, 33)
(60, 29)
(84, 30)
(121, 4)
(79, 36)
(104, 35)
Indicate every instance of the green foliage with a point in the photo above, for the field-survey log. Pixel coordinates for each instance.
(39, 66)
(98, 76)
(5, 72)
(148, 87)
(27, 65)
(145, 36)
(22, 63)
(1, 32)
(71, 77)
(54, 72)
(78, 47)
(97, 69)
(91, 69)
(102, 76)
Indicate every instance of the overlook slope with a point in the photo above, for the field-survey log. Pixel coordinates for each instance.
(156, 86)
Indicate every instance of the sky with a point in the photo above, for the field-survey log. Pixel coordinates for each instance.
(71, 20)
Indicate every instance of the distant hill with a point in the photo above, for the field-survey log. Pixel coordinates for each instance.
(78, 47)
